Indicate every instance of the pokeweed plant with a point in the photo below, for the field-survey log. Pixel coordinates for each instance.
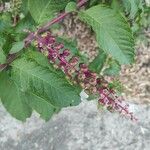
(40, 72)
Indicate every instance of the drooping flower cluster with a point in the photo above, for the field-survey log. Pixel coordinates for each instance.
(79, 73)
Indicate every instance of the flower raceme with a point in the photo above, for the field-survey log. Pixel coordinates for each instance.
(79, 73)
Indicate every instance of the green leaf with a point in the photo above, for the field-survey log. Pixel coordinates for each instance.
(113, 69)
(2, 57)
(39, 58)
(2, 26)
(7, 45)
(44, 10)
(45, 83)
(115, 4)
(39, 104)
(5, 22)
(112, 32)
(2, 40)
(13, 99)
(98, 62)
(26, 23)
(17, 46)
(71, 6)
(92, 2)
(132, 7)
(116, 85)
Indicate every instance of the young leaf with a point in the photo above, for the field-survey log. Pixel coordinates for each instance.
(44, 10)
(98, 62)
(45, 83)
(2, 57)
(13, 99)
(112, 32)
(71, 6)
(39, 104)
(16, 47)
(117, 85)
(114, 69)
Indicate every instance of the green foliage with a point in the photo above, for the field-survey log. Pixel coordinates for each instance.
(98, 62)
(44, 82)
(71, 6)
(116, 5)
(44, 10)
(2, 57)
(133, 7)
(13, 99)
(31, 83)
(17, 46)
(5, 22)
(36, 86)
(113, 69)
(26, 23)
(117, 85)
(39, 104)
(112, 32)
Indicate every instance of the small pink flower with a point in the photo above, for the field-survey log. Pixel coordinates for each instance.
(80, 73)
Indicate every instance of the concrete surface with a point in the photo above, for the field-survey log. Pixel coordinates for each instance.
(78, 128)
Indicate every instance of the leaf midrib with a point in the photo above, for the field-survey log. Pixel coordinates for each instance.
(43, 11)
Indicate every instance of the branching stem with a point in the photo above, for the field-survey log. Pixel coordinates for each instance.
(42, 29)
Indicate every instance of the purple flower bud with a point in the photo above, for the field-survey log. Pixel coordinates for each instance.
(52, 40)
(66, 52)
(59, 46)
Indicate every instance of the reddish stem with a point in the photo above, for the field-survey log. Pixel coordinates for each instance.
(42, 29)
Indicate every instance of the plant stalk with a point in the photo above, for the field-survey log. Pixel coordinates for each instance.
(42, 29)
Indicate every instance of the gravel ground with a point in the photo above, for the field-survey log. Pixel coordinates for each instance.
(77, 128)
